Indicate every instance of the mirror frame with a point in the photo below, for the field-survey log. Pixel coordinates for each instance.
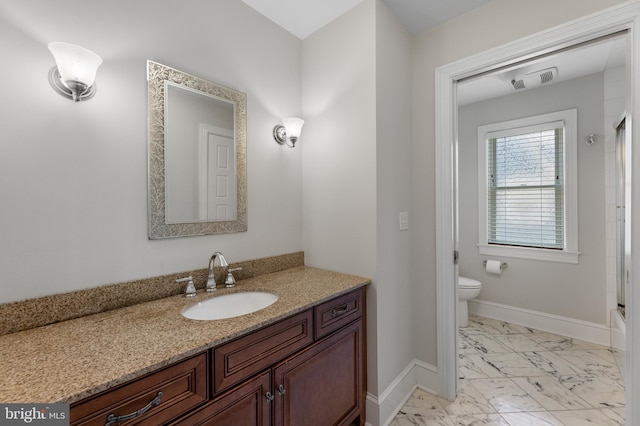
(158, 227)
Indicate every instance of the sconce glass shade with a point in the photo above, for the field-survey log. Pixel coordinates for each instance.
(290, 132)
(293, 127)
(75, 72)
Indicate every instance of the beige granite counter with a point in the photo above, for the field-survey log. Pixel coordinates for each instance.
(70, 360)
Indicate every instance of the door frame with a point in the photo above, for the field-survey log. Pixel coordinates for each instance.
(608, 21)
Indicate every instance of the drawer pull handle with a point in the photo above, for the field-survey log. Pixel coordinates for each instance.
(339, 311)
(269, 396)
(281, 390)
(113, 419)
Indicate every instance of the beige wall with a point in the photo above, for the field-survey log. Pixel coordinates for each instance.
(469, 34)
(73, 177)
(339, 177)
(356, 82)
(339, 104)
(393, 120)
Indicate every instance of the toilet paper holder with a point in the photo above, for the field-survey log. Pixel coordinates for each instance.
(503, 265)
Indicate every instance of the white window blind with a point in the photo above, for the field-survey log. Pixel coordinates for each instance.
(525, 194)
(527, 186)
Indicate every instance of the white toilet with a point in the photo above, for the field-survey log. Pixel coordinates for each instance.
(467, 289)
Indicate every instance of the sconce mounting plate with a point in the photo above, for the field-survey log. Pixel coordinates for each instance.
(280, 134)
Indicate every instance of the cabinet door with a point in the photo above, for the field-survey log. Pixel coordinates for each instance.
(247, 404)
(322, 385)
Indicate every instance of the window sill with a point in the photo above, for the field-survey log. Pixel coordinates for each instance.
(530, 253)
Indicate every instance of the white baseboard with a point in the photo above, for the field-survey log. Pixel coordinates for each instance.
(382, 409)
(576, 329)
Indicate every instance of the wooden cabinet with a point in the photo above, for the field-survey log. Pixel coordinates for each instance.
(322, 384)
(307, 369)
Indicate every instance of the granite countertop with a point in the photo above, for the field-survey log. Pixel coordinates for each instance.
(70, 360)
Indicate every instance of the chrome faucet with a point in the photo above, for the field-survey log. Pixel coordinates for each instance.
(211, 280)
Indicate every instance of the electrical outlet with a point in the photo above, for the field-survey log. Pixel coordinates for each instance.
(404, 221)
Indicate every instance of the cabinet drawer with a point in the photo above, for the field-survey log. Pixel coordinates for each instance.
(245, 356)
(337, 312)
(163, 395)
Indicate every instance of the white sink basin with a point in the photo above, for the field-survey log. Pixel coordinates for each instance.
(230, 305)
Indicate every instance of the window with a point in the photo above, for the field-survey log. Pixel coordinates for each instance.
(527, 186)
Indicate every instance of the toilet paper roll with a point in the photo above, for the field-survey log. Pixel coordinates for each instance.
(493, 267)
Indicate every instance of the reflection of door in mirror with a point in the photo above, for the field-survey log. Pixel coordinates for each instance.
(217, 182)
(199, 156)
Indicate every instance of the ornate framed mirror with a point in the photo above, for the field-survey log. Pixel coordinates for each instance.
(197, 160)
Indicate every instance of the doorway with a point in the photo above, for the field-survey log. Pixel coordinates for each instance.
(531, 218)
(625, 17)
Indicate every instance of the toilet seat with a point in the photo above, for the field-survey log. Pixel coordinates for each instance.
(464, 282)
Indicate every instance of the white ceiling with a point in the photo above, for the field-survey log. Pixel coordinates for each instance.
(420, 15)
(304, 17)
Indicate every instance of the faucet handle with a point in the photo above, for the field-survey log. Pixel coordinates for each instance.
(211, 282)
(190, 291)
(230, 281)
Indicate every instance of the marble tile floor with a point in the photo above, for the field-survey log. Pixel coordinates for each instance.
(516, 376)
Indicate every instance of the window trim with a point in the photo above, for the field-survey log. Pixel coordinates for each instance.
(569, 254)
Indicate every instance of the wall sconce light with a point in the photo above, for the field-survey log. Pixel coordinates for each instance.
(288, 131)
(75, 71)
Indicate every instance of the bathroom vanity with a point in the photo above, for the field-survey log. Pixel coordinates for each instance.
(301, 360)
(305, 369)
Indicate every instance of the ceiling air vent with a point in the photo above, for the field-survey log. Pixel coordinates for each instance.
(535, 79)
(543, 76)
